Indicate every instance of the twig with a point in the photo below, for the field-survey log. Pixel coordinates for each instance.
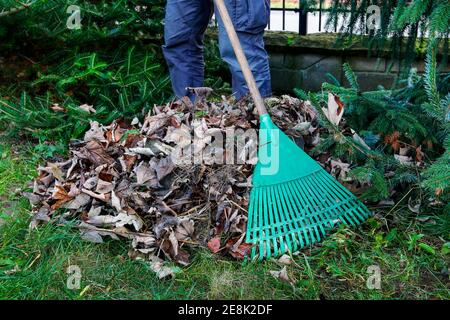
(125, 234)
(396, 205)
(15, 10)
(190, 210)
(168, 208)
(228, 200)
(95, 195)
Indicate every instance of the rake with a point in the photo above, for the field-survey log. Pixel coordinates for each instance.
(293, 201)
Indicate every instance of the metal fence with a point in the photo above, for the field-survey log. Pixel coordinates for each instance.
(303, 14)
(308, 18)
(300, 11)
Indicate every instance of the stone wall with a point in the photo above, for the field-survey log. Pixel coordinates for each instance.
(304, 61)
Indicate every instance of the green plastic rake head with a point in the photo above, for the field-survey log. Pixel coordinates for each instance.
(294, 201)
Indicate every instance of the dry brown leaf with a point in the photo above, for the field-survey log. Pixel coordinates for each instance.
(57, 108)
(87, 108)
(285, 259)
(104, 187)
(127, 162)
(335, 109)
(95, 153)
(162, 270)
(144, 244)
(79, 202)
(144, 173)
(237, 248)
(404, 159)
(56, 171)
(163, 167)
(282, 275)
(115, 202)
(214, 244)
(185, 230)
(153, 123)
(61, 195)
(95, 132)
(180, 136)
(341, 167)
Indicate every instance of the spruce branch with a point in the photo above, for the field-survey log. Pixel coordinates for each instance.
(23, 6)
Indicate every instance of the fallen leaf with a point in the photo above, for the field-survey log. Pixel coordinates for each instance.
(237, 248)
(303, 127)
(214, 244)
(95, 153)
(104, 186)
(281, 275)
(61, 195)
(87, 108)
(162, 271)
(57, 108)
(95, 132)
(185, 230)
(403, 159)
(180, 136)
(153, 123)
(335, 109)
(341, 167)
(115, 202)
(285, 259)
(80, 201)
(144, 244)
(144, 173)
(163, 167)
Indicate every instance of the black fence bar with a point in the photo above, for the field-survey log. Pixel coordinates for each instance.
(303, 17)
(320, 15)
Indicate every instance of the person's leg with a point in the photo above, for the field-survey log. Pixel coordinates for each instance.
(250, 18)
(185, 25)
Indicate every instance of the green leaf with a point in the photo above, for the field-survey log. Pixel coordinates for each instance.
(445, 248)
(391, 235)
(427, 248)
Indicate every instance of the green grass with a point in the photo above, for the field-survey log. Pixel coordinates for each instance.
(33, 264)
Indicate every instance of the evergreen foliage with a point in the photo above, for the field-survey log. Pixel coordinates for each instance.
(109, 63)
(120, 85)
(412, 121)
(113, 62)
(404, 26)
(100, 19)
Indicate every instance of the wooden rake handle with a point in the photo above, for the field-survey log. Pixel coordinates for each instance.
(235, 43)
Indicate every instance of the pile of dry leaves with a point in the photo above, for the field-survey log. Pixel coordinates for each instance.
(120, 180)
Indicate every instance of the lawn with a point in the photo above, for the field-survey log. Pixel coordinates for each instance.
(410, 250)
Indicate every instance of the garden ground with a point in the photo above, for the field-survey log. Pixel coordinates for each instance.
(411, 250)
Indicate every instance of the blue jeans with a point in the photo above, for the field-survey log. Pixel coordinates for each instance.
(185, 25)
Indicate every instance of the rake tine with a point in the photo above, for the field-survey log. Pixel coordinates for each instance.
(297, 209)
(294, 215)
(286, 218)
(311, 207)
(303, 205)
